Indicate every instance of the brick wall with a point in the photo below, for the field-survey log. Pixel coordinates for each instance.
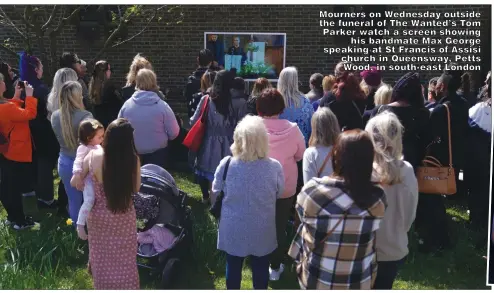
(173, 48)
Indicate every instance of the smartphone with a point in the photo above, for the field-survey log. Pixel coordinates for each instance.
(21, 84)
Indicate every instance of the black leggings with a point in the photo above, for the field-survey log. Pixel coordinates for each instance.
(16, 179)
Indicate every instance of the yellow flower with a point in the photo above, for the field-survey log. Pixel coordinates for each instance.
(69, 222)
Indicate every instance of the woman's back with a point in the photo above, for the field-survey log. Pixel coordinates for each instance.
(300, 115)
(249, 206)
(56, 123)
(402, 200)
(112, 236)
(346, 260)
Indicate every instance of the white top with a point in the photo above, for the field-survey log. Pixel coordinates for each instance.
(82, 152)
(88, 192)
(313, 159)
(402, 199)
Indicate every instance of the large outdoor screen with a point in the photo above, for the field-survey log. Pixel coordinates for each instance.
(250, 55)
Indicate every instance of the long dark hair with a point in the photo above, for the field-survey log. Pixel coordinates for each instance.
(352, 157)
(119, 166)
(220, 92)
(9, 83)
(98, 81)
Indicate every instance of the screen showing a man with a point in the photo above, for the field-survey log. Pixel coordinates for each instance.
(248, 55)
(216, 46)
(237, 50)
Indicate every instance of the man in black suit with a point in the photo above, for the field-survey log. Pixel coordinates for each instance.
(237, 50)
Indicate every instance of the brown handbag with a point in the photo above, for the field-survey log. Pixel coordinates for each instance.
(434, 178)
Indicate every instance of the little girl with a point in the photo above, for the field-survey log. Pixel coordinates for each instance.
(91, 134)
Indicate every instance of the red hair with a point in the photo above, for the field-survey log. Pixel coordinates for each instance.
(347, 87)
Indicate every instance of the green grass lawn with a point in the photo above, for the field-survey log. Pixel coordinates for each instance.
(52, 257)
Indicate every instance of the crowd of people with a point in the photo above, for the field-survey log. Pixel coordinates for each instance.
(339, 163)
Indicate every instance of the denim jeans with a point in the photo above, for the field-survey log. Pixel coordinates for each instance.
(259, 267)
(159, 157)
(65, 165)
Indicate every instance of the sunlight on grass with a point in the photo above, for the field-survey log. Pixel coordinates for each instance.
(54, 258)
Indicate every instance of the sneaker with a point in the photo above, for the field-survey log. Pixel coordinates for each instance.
(274, 275)
(28, 223)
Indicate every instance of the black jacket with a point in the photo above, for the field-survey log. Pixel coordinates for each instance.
(44, 140)
(438, 130)
(349, 113)
(193, 86)
(111, 102)
(415, 122)
(252, 106)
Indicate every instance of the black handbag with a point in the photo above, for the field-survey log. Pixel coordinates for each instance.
(215, 209)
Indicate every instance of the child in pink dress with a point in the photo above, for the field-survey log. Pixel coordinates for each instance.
(91, 133)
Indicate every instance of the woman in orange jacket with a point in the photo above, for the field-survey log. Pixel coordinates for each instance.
(17, 176)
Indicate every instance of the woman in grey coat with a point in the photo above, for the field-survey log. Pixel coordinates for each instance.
(222, 117)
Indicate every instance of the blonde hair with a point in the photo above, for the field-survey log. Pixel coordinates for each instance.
(328, 83)
(137, 64)
(325, 128)
(383, 95)
(386, 133)
(250, 139)
(61, 76)
(70, 101)
(288, 87)
(146, 80)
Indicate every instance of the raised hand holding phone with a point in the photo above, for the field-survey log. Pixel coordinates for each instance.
(29, 89)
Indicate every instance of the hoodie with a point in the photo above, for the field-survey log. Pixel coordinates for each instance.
(153, 120)
(287, 146)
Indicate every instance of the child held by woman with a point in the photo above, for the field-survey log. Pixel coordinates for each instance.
(91, 133)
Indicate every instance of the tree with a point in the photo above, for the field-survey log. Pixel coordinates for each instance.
(37, 26)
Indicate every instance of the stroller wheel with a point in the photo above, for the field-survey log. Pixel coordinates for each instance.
(169, 273)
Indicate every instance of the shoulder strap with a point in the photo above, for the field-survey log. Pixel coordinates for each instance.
(379, 109)
(330, 232)
(226, 168)
(323, 164)
(205, 110)
(449, 136)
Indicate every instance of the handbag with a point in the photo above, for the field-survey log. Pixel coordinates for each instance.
(194, 138)
(434, 178)
(215, 209)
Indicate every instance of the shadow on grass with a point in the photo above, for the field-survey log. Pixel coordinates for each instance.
(54, 258)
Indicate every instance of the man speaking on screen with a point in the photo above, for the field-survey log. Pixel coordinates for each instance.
(237, 50)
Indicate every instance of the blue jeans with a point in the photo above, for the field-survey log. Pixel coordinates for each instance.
(259, 267)
(65, 165)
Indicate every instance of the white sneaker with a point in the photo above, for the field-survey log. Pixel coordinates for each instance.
(274, 275)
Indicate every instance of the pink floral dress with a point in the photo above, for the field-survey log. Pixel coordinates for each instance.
(112, 245)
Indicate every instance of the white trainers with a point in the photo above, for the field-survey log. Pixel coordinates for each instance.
(274, 275)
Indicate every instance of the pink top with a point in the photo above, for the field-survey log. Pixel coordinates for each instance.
(287, 146)
(160, 237)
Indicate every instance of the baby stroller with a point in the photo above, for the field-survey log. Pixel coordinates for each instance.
(159, 203)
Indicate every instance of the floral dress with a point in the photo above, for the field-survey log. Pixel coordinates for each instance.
(112, 245)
